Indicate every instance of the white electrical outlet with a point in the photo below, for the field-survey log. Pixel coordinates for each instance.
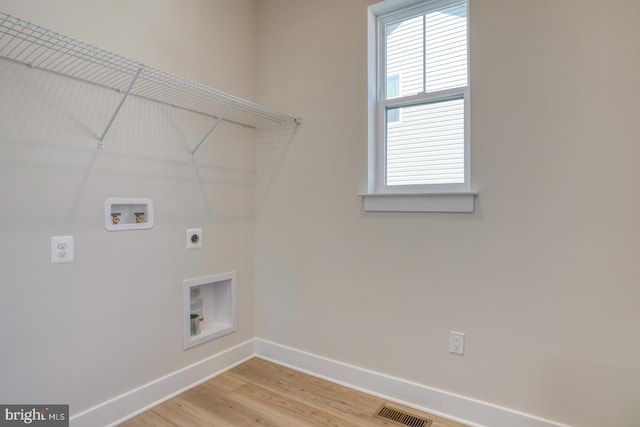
(456, 342)
(61, 249)
(194, 238)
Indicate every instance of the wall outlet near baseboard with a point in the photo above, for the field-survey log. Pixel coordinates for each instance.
(456, 342)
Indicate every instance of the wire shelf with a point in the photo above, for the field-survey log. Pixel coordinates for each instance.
(38, 47)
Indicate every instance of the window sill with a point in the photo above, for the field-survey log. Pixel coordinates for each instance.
(458, 201)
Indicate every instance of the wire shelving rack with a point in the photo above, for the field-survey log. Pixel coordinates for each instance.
(40, 48)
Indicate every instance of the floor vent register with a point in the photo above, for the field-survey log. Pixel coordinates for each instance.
(401, 418)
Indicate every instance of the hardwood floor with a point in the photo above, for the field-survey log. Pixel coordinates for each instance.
(261, 393)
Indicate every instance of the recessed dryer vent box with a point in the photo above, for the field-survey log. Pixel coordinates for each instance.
(128, 214)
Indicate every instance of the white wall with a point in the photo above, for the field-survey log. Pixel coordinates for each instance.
(85, 332)
(542, 278)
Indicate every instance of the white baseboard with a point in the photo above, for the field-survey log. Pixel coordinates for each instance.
(466, 410)
(472, 412)
(136, 401)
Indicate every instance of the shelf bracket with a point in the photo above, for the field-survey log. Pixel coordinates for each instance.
(126, 94)
(217, 122)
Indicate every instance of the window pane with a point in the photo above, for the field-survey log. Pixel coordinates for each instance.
(429, 51)
(404, 52)
(446, 48)
(393, 85)
(427, 147)
(393, 91)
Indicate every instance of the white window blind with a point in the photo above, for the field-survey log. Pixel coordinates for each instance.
(426, 48)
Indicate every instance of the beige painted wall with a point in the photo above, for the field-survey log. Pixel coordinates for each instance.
(111, 321)
(542, 278)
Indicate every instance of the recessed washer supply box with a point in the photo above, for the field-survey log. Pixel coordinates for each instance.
(128, 214)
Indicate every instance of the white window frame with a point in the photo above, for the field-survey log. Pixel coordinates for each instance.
(408, 198)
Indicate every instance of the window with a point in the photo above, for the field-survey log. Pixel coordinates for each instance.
(419, 139)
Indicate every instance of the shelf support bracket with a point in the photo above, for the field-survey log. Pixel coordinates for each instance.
(126, 94)
(217, 122)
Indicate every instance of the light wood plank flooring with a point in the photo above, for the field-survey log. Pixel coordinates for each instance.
(260, 393)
